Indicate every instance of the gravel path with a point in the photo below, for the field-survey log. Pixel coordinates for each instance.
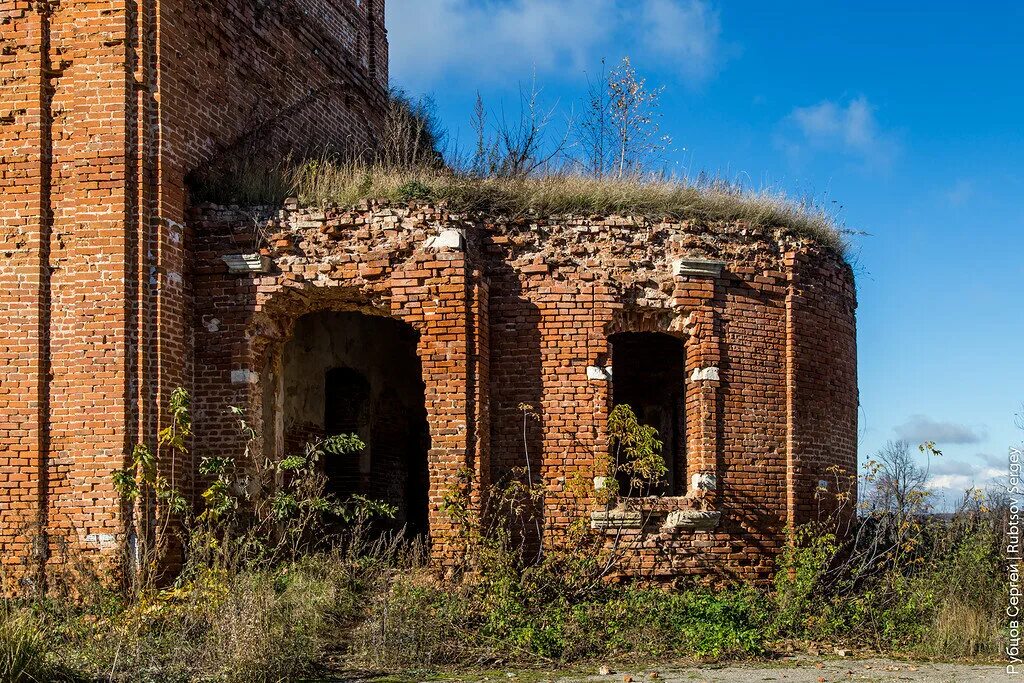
(814, 671)
(802, 669)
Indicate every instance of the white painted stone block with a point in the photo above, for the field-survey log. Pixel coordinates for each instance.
(698, 267)
(448, 240)
(616, 519)
(244, 377)
(239, 264)
(704, 481)
(101, 540)
(705, 374)
(598, 373)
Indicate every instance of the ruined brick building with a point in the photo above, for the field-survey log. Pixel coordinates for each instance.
(422, 329)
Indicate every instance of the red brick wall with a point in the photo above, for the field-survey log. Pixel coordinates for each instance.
(108, 301)
(520, 314)
(24, 240)
(272, 77)
(359, 261)
(567, 285)
(105, 107)
(65, 212)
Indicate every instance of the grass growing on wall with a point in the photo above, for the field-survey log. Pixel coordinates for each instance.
(325, 182)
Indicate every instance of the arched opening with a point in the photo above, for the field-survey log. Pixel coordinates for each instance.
(353, 373)
(649, 374)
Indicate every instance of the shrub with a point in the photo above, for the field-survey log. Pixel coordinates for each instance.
(261, 600)
(886, 584)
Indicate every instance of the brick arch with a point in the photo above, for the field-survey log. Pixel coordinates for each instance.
(273, 322)
(433, 294)
(638, 319)
(270, 329)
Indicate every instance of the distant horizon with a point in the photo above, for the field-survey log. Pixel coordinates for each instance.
(904, 121)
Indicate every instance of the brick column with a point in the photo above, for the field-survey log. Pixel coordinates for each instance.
(25, 220)
(695, 293)
(436, 295)
(822, 395)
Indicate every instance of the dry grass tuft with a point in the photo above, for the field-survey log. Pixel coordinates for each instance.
(324, 182)
(22, 648)
(963, 629)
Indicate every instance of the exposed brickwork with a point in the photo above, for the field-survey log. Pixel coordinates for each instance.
(113, 292)
(556, 291)
(106, 106)
(24, 240)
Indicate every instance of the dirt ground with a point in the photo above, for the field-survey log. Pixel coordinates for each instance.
(789, 670)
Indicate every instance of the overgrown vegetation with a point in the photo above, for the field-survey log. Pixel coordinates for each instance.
(540, 161)
(884, 577)
(263, 595)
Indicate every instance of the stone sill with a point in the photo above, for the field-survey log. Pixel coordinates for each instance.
(613, 520)
(679, 515)
(692, 520)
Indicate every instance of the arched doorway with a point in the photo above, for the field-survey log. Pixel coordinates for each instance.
(350, 372)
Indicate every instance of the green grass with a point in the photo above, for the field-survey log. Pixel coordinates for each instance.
(319, 183)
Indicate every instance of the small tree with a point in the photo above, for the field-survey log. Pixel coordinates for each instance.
(897, 483)
(635, 118)
(148, 486)
(638, 460)
(486, 157)
(620, 130)
(519, 147)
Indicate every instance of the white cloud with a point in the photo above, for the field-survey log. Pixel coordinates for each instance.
(950, 479)
(850, 129)
(920, 428)
(687, 32)
(498, 40)
(958, 483)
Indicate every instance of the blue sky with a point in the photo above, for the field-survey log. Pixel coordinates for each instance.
(912, 121)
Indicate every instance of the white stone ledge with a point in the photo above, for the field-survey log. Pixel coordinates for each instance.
(699, 267)
(616, 519)
(242, 264)
(692, 520)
